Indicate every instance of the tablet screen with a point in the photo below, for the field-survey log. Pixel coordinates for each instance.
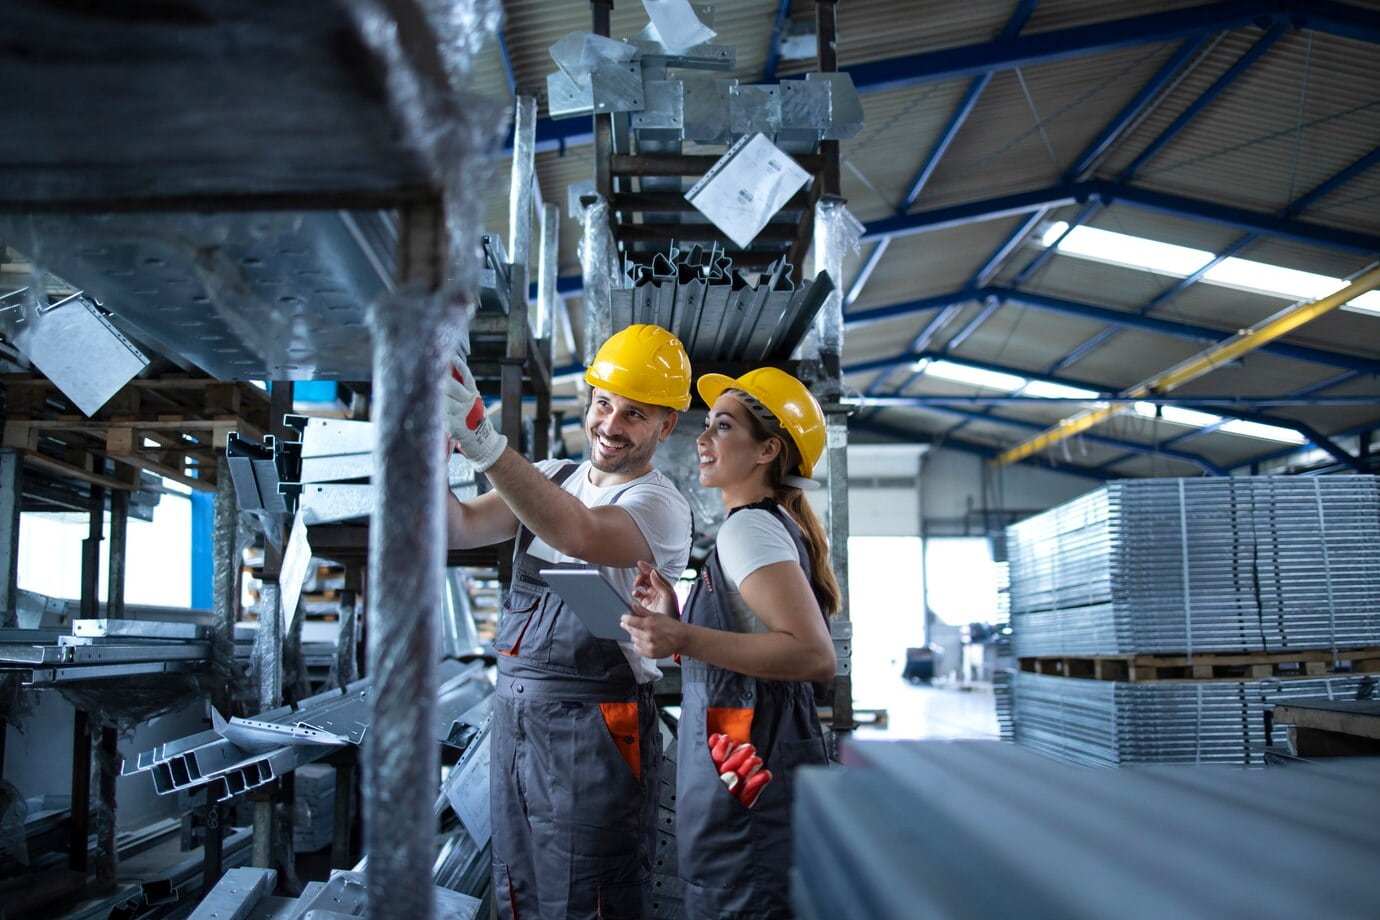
(595, 601)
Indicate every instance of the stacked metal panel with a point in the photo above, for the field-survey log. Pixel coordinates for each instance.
(718, 313)
(1150, 566)
(986, 829)
(98, 649)
(1109, 723)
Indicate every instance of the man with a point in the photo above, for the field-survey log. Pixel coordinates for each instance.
(576, 749)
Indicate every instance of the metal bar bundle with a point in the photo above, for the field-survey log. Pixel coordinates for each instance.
(716, 313)
(1260, 563)
(986, 829)
(1108, 723)
(210, 759)
(248, 892)
(100, 649)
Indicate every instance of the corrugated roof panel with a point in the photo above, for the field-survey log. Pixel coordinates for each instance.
(1003, 147)
(1342, 331)
(1064, 14)
(1246, 147)
(1021, 337)
(870, 30)
(899, 129)
(928, 264)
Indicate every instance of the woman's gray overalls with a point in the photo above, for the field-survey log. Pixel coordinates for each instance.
(735, 861)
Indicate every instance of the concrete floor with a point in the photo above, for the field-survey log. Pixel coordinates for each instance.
(921, 711)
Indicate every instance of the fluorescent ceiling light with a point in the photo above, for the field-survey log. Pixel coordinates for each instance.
(1181, 261)
(962, 373)
(1057, 390)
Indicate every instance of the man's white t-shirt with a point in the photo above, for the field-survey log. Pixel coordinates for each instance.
(660, 512)
(748, 540)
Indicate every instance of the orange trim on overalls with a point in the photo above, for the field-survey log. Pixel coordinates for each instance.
(736, 723)
(512, 652)
(622, 722)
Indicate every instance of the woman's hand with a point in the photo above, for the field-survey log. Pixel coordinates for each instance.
(654, 592)
(653, 634)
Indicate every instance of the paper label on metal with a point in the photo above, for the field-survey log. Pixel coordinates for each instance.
(746, 187)
(468, 793)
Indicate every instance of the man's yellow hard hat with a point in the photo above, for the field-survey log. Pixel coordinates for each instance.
(645, 363)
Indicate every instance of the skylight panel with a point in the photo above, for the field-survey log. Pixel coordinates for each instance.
(1264, 432)
(962, 373)
(1057, 391)
(1137, 252)
(1176, 414)
(1126, 250)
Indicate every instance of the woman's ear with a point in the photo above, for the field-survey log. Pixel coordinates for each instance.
(769, 450)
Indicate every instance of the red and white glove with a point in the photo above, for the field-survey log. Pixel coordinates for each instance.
(740, 769)
(467, 422)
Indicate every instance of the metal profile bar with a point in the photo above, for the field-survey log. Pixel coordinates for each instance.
(1244, 342)
(1243, 63)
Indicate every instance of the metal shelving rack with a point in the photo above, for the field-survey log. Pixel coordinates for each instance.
(173, 160)
(642, 189)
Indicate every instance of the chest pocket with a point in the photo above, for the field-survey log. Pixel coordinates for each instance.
(539, 630)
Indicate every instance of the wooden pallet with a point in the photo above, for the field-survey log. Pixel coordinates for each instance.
(172, 426)
(1205, 665)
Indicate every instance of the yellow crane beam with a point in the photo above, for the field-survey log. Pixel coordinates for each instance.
(1247, 340)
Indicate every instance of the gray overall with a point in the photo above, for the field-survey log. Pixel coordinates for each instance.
(735, 861)
(574, 763)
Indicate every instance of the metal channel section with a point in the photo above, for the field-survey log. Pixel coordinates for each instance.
(717, 313)
(1108, 723)
(914, 829)
(1263, 564)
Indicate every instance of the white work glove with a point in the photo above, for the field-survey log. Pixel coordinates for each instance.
(467, 422)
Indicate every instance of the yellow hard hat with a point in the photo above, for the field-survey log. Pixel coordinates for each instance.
(645, 363)
(794, 406)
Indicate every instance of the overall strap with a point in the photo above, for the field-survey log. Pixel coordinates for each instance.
(525, 536)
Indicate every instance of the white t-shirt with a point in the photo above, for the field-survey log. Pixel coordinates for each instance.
(660, 512)
(747, 541)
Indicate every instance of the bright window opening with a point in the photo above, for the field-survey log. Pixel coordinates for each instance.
(1195, 419)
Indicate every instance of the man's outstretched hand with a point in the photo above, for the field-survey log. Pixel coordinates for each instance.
(466, 420)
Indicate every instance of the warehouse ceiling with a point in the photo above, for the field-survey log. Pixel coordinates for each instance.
(1014, 159)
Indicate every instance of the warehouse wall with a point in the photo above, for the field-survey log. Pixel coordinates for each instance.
(963, 496)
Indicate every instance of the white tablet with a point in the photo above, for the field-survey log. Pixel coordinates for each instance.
(595, 601)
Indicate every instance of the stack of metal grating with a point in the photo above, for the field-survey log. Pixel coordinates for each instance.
(1156, 566)
(985, 829)
(1108, 723)
(1157, 620)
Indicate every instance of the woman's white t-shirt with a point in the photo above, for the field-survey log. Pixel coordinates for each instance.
(748, 540)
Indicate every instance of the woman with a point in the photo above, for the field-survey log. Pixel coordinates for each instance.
(754, 635)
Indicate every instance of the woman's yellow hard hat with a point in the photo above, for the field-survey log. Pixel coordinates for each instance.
(794, 406)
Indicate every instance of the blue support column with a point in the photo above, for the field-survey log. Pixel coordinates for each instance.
(783, 9)
(203, 523)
